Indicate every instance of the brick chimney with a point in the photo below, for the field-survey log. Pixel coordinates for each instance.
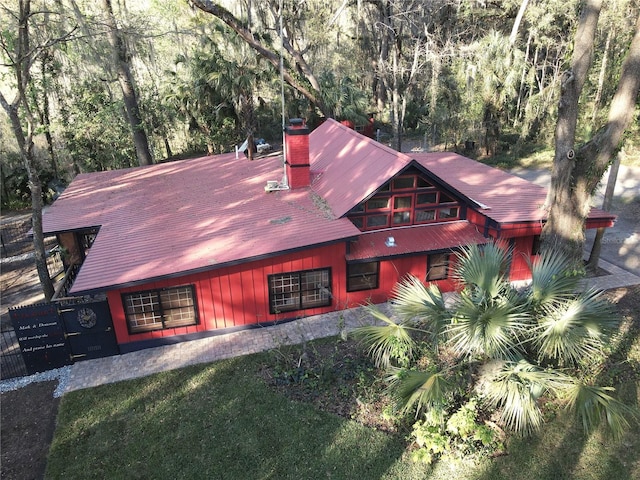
(297, 152)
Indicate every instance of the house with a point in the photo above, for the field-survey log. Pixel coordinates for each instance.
(197, 247)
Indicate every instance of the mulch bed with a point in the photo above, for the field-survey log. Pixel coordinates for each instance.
(28, 420)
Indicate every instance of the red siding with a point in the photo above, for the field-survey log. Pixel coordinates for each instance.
(239, 296)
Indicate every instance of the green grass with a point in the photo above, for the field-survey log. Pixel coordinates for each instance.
(213, 421)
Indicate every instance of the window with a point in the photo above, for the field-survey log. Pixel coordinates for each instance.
(449, 212)
(378, 203)
(426, 198)
(362, 276)
(299, 290)
(425, 216)
(160, 309)
(535, 248)
(401, 183)
(378, 221)
(437, 266)
(408, 199)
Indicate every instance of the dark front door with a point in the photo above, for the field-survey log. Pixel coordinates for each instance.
(89, 330)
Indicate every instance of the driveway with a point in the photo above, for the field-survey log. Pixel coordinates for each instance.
(621, 244)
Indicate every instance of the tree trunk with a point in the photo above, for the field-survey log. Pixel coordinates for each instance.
(564, 230)
(577, 175)
(25, 144)
(516, 23)
(603, 71)
(121, 62)
(44, 113)
(596, 248)
(21, 65)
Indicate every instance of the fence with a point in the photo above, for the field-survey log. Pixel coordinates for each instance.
(14, 236)
(11, 361)
(15, 242)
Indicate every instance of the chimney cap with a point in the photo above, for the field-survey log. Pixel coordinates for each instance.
(296, 122)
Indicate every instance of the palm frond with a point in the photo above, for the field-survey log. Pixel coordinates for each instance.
(592, 403)
(482, 267)
(515, 390)
(574, 329)
(549, 280)
(412, 300)
(487, 328)
(418, 389)
(386, 342)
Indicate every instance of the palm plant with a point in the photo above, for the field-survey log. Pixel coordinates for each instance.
(523, 345)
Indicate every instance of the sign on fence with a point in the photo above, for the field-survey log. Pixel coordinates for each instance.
(41, 336)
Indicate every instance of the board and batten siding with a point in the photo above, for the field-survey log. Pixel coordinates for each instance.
(237, 296)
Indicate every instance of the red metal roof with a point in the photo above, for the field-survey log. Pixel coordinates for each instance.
(180, 217)
(184, 216)
(414, 239)
(347, 167)
(501, 196)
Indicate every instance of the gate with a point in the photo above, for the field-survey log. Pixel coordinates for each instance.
(89, 329)
(55, 334)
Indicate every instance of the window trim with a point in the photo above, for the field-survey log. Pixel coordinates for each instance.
(300, 292)
(351, 275)
(161, 310)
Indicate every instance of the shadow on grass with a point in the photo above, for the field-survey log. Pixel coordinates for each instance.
(562, 450)
(212, 421)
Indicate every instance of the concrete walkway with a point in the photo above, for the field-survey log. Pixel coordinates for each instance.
(92, 373)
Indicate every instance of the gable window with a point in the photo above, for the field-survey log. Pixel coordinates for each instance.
(408, 199)
(437, 266)
(160, 309)
(362, 276)
(299, 290)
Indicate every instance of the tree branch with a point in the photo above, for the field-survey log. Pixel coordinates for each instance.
(272, 57)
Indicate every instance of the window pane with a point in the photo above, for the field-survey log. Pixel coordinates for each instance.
(425, 215)
(377, 221)
(285, 283)
(426, 198)
(177, 305)
(448, 212)
(377, 203)
(437, 266)
(422, 183)
(358, 208)
(363, 268)
(402, 202)
(400, 218)
(444, 198)
(362, 276)
(298, 290)
(285, 302)
(357, 221)
(159, 309)
(403, 182)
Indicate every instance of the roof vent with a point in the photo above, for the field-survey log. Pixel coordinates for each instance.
(390, 242)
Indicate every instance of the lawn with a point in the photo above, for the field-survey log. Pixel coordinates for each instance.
(251, 418)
